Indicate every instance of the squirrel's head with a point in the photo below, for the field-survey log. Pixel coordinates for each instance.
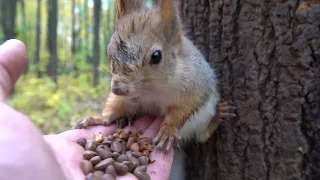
(144, 47)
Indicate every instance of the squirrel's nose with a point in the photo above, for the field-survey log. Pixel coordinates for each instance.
(117, 90)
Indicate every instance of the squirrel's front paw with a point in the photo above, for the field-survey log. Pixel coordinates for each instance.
(92, 121)
(82, 123)
(124, 121)
(169, 134)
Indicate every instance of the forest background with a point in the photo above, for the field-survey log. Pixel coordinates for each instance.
(68, 73)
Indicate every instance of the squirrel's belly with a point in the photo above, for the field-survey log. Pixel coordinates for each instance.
(198, 122)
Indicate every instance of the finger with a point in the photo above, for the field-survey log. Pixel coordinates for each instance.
(13, 60)
(141, 124)
(88, 133)
(153, 128)
(68, 154)
(16, 127)
(105, 130)
(160, 169)
(74, 134)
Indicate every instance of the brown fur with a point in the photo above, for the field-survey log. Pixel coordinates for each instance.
(177, 87)
(116, 104)
(179, 112)
(124, 7)
(305, 5)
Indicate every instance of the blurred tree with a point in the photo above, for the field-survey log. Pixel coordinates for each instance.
(86, 29)
(52, 39)
(23, 25)
(8, 15)
(109, 23)
(23, 13)
(73, 46)
(74, 34)
(155, 2)
(38, 39)
(96, 43)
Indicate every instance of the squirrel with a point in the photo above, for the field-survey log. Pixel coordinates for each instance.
(156, 70)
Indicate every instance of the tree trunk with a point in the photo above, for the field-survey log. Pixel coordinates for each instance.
(23, 22)
(96, 44)
(86, 27)
(8, 18)
(38, 38)
(73, 19)
(23, 9)
(267, 56)
(75, 36)
(52, 39)
(109, 23)
(155, 2)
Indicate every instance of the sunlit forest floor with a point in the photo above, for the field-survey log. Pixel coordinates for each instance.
(55, 107)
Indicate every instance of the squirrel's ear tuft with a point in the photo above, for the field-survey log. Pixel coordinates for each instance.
(124, 7)
(170, 19)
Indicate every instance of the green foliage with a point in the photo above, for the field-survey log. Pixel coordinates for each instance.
(54, 107)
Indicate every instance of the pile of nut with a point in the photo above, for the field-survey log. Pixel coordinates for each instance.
(106, 157)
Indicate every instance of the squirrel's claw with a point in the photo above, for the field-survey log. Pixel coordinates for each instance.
(82, 123)
(92, 121)
(121, 122)
(125, 121)
(165, 135)
(176, 145)
(226, 109)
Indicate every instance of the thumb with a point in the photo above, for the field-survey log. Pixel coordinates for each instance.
(13, 61)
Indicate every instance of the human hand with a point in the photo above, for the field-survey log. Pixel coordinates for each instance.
(42, 163)
(23, 152)
(69, 153)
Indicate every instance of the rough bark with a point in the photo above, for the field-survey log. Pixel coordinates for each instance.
(52, 39)
(96, 44)
(267, 57)
(38, 38)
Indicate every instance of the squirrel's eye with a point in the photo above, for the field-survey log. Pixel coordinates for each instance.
(156, 57)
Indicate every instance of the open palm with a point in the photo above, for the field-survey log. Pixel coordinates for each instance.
(69, 153)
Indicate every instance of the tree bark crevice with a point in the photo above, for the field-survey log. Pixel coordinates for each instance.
(265, 62)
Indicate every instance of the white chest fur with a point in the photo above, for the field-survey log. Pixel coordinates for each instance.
(197, 124)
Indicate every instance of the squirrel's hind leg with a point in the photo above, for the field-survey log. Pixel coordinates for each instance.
(224, 111)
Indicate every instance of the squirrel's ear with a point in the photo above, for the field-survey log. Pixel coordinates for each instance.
(124, 7)
(170, 19)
